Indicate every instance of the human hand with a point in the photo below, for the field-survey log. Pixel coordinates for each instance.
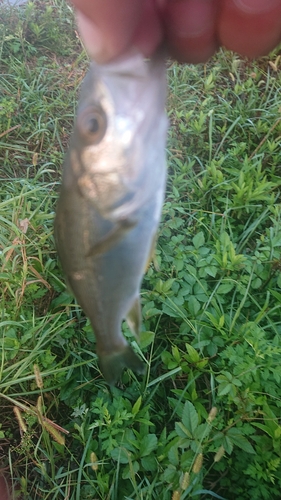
(192, 29)
(4, 491)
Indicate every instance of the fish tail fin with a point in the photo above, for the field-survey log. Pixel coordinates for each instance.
(113, 364)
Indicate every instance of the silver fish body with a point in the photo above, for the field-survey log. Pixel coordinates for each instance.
(111, 198)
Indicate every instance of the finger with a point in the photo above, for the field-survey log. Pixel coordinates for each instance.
(107, 26)
(4, 491)
(149, 33)
(190, 29)
(250, 27)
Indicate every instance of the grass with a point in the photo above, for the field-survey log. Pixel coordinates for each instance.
(204, 422)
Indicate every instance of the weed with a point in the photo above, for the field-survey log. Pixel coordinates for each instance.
(205, 419)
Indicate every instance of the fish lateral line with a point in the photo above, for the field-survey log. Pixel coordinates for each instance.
(122, 226)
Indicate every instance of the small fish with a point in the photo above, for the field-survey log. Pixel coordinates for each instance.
(111, 198)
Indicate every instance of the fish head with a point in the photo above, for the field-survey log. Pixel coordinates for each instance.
(119, 135)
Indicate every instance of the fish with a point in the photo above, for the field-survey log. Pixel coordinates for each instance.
(111, 197)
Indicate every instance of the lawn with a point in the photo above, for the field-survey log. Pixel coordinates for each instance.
(204, 421)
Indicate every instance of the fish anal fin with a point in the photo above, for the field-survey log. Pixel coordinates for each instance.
(152, 256)
(134, 318)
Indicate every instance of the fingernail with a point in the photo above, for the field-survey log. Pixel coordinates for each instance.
(256, 6)
(91, 37)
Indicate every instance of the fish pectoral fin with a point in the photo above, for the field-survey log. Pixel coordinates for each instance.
(121, 227)
(133, 317)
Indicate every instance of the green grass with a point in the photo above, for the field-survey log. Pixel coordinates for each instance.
(211, 315)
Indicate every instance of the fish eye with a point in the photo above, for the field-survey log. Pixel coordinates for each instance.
(91, 124)
(94, 125)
